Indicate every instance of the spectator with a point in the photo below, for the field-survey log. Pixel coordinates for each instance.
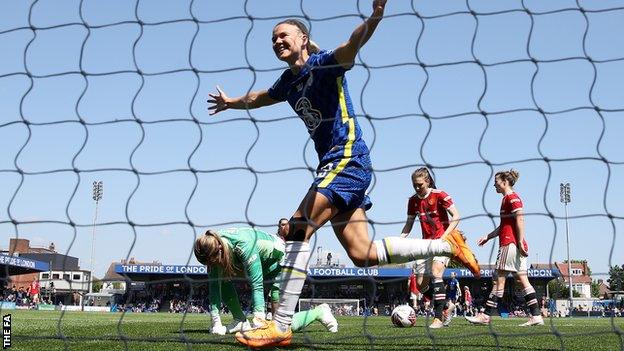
(467, 299)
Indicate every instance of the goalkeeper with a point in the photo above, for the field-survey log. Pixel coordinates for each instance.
(251, 253)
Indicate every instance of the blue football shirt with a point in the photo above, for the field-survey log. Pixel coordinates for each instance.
(319, 95)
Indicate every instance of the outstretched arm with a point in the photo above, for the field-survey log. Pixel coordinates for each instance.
(345, 53)
(407, 228)
(253, 99)
(484, 239)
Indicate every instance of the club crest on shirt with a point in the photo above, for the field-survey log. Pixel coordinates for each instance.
(431, 202)
(310, 116)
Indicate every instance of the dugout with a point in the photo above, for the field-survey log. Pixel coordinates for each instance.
(102, 299)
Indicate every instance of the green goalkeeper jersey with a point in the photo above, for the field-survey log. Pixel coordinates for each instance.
(256, 255)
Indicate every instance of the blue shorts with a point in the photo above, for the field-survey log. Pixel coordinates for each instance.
(344, 182)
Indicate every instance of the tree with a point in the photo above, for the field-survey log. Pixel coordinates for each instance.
(97, 285)
(559, 290)
(616, 278)
(595, 289)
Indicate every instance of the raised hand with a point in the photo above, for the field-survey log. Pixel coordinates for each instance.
(219, 102)
(379, 6)
(482, 240)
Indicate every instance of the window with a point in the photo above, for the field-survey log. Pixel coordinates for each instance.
(45, 275)
(55, 276)
(76, 276)
(65, 276)
(577, 271)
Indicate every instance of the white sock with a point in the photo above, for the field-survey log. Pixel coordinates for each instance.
(393, 250)
(293, 276)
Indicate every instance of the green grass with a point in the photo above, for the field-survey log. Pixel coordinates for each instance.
(51, 330)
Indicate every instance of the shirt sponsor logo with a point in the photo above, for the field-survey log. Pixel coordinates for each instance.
(310, 116)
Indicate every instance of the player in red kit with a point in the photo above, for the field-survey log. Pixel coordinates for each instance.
(513, 252)
(33, 291)
(432, 208)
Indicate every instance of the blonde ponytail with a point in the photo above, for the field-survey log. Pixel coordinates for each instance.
(313, 47)
(210, 249)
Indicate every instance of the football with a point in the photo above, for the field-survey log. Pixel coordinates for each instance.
(403, 316)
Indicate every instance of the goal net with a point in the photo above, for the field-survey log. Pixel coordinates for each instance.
(114, 93)
(340, 307)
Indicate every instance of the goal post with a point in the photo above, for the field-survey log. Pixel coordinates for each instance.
(340, 307)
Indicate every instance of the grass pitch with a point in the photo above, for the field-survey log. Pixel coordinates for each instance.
(52, 330)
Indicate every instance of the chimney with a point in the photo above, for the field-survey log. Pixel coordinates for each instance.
(19, 246)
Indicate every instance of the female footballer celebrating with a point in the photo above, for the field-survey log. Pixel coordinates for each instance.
(512, 252)
(316, 88)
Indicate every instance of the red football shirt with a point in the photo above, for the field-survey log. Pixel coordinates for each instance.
(34, 288)
(432, 212)
(507, 234)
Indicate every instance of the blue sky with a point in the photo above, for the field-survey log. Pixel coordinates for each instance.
(258, 170)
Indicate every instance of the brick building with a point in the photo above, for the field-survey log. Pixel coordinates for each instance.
(64, 279)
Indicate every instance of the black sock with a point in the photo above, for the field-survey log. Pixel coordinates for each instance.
(531, 301)
(439, 298)
(491, 306)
